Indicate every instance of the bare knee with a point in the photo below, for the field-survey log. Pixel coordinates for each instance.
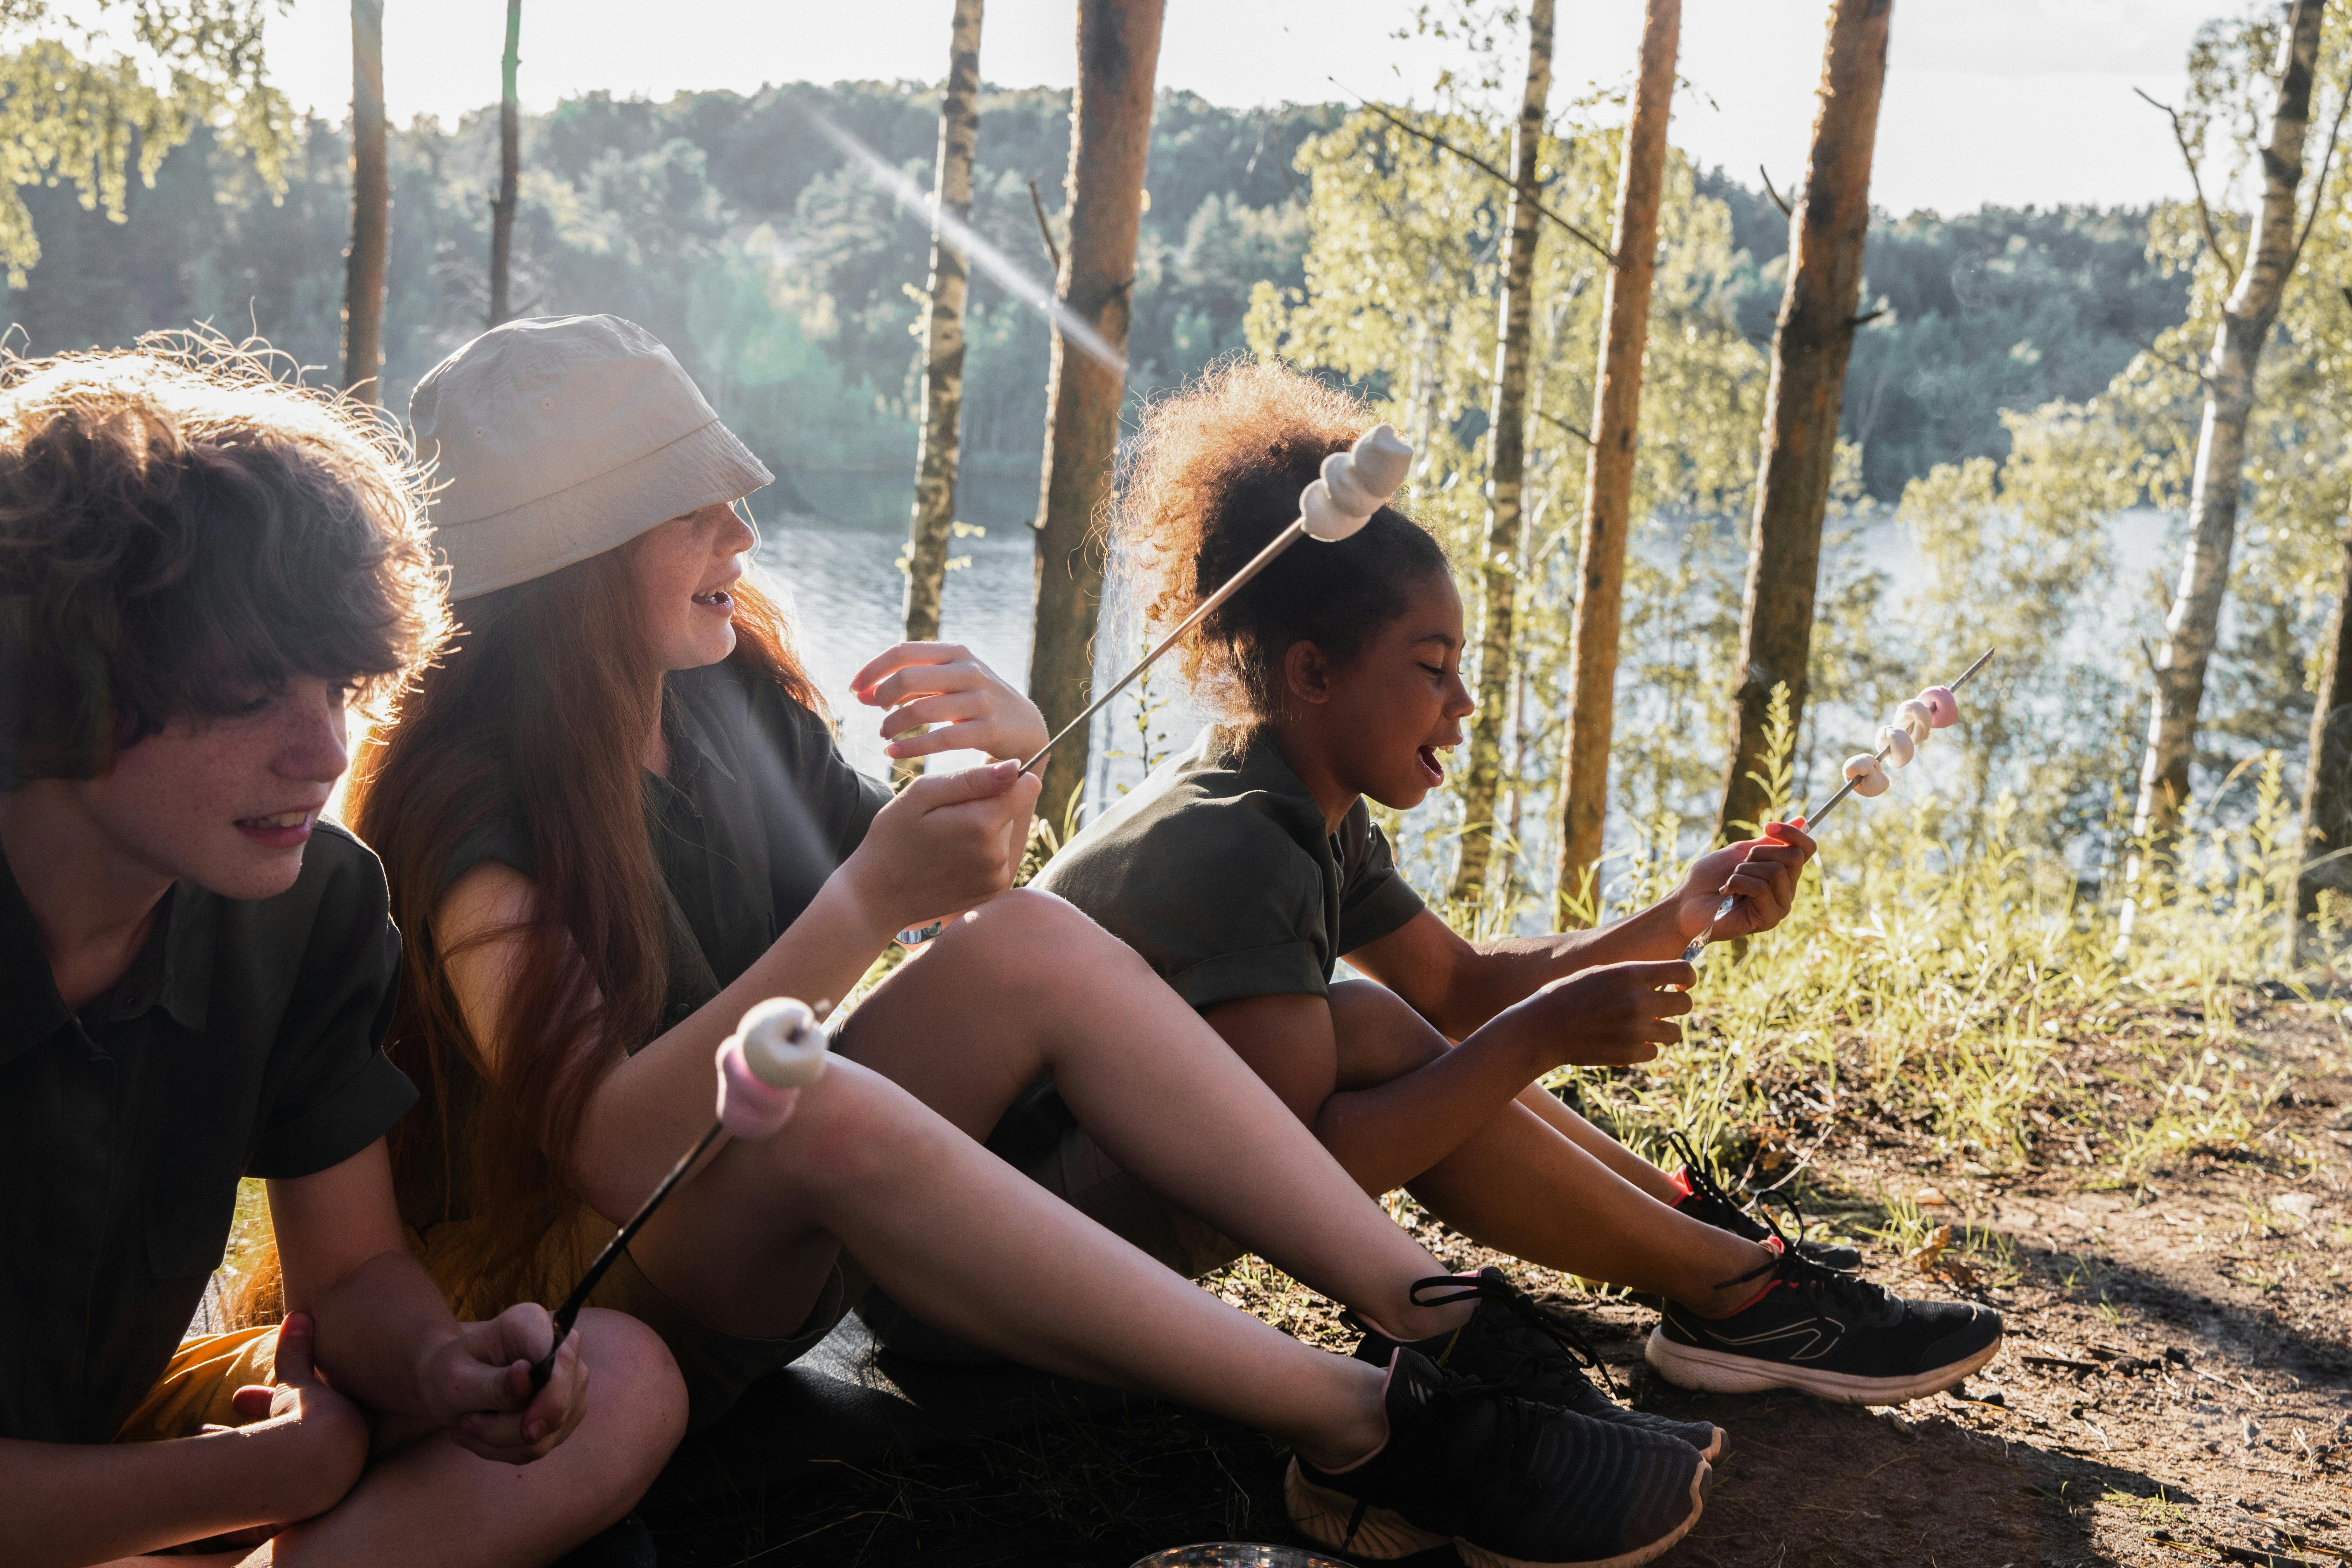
(850, 1132)
(1381, 1037)
(636, 1407)
(1038, 939)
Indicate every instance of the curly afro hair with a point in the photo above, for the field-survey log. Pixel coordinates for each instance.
(1216, 474)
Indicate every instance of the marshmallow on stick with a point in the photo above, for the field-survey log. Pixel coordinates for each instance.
(1915, 720)
(776, 1051)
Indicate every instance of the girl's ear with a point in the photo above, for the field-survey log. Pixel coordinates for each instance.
(1306, 673)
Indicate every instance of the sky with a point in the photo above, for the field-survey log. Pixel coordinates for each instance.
(2007, 101)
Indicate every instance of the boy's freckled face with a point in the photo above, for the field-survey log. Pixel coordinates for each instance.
(1397, 707)
(228, 803)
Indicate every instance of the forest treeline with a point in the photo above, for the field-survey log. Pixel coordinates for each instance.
(791, 282)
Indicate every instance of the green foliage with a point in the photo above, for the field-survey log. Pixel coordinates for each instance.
(91, 93)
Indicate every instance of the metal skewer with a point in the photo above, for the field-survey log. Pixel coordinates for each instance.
(1812, 819)
(569, 1314)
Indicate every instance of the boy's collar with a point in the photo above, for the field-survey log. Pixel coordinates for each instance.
(174, 969)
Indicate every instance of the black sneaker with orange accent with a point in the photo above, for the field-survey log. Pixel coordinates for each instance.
(1508, 1483)
(1831, 1335)
(1705, 1201)
(1533, 1351)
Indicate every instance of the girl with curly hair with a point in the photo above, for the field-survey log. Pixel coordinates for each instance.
(1245, 868)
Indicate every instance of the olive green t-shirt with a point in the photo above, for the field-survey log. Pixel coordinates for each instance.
(241, 1042)
(1219, 870)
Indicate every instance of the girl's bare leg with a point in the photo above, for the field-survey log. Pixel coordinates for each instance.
(434, 1505)
(1522, 1185)
(978, 1250)
(1028, 984)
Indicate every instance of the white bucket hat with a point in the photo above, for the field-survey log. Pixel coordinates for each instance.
(556, 438)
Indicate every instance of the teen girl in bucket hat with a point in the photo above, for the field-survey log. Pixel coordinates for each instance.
(613, 818)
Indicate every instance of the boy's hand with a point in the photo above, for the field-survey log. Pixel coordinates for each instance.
(1609, 1015)
(967, 704)
(481, 1382)
(1763, 872)
(948, 842)
(321, 1436)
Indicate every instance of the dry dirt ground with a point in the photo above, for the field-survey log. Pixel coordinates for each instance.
(2176, 1386)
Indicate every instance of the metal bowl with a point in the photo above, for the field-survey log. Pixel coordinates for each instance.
(1238, 1555)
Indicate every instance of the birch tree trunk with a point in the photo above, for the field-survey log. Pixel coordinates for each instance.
(928, 529)
(1507, 472)
(1609, 468)
(2327, 785)
(1110, 134)
(502, 209)
(2246, 319)
(1809, 348)
(370, 208)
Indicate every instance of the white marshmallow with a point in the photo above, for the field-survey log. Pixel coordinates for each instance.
(1868, 778)
(781, 1044)
(1355, 484)
(1917, 718)
(1897, 745)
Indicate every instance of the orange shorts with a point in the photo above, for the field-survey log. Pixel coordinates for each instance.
(194, 1392)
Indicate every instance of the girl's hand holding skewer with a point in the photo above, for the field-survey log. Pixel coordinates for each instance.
(1761, 873)
(968, 706)
(947, 843)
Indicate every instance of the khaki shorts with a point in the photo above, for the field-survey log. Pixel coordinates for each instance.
(194, 1392)
(718, 1367)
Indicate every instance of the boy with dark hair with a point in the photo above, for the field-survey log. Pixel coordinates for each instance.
(199, 565)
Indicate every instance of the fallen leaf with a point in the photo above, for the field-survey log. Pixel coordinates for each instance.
(1931, 1197)
(1925, 1257)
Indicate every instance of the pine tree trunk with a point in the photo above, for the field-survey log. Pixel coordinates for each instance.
(370, 208)
(2246, 319)
(502, 210)
(1609, 470)
(1800, 409)
(2327, 783)
(1110, 134)
(928, 529)
(1507, 472)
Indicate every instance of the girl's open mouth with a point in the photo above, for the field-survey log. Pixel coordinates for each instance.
(717, 599)
(1431, 767)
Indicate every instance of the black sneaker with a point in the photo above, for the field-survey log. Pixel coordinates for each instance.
(1508, 1482)
(1831, 1335)
(1535, 1352)
(1706, 1202)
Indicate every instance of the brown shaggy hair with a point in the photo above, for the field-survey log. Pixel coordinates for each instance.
(1217, 471)
(182, 530)
(528, 720)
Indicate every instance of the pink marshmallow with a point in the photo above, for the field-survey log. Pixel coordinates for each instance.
(1943, 708)
(747, 1108)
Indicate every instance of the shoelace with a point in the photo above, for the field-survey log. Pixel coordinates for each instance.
(1799, 1272)
(1704, 1184)
(1549, 1321)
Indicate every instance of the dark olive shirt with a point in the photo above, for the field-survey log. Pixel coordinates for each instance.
(241, 1041)
(1220, 871)
(760, 807)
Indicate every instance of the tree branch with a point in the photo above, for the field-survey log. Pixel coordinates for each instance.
(2180, 364)
(1867, 317)
(1476, 161)
(2189, 157)
(1555, 419)
(1044, 230)
(1785, 210)
(2319, 189)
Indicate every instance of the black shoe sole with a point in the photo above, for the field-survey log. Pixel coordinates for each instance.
(1720, 1372)
(1328, 1518)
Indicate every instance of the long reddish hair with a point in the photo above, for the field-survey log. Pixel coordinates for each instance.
(530, 720)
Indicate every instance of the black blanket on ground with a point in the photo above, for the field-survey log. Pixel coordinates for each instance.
(845, 1401)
